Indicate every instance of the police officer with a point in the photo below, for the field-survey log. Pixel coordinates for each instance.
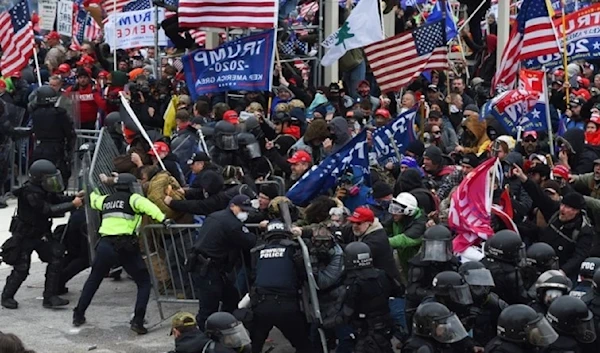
(521, 330)
(586, 274)
(541, 257)
(435, 256)
(504, 254)
(487, 306)
(39, 200)
(365, 305)
(549, 286)
(54, 132)
(572, 320)
(213, 257)
(435, 328)
(279, 270)
(121, 216)
(224, 328)
(226, 145)
(592, 300)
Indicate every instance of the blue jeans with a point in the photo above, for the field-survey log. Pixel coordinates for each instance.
(397, 311)
(353, 77)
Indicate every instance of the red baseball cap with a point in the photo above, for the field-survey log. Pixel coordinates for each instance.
(583, 82)
(561, 171)
(362, 214)
(2, 84)
(64, 68)
(383, 112)
(160, 147)
(53, 35)
(595, 118)
(231, 116)
(530, 133)
(300, 156)
(86, 59)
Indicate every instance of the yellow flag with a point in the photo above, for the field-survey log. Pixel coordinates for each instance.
(169, 117)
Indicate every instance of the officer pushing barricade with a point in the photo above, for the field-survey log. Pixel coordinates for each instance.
(121, 216)
(39, 200)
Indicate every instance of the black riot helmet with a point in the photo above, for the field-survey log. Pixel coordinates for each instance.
(570, 316)
(476, 274)
(125, 182)
(250, 145)
(357, 255)
(277, 229)
(46, 96)
(507, 246)
(521, 324)
(589, 267)
(228, 330)
(451, 284)
(434, 320)
(551, 285)
(44, 173)
(437, 244)
(542, 256)
(225, 136)
(112, 119)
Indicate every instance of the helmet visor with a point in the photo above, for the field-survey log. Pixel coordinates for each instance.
(396, 208)
(253, 150)
(461, 295)
(53, 183)
(448, 330)
(480, 277)
(585, 331)
(522, 256)
(437, 250)
(229, 142)
(235, 337)
(541, 333)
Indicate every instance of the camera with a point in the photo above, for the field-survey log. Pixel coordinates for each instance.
(137, 90)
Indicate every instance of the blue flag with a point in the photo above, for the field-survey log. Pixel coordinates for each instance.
(436, 15)
(322, 178)
(242, 64)
(413, 3)
(516, 108)
(403, 133)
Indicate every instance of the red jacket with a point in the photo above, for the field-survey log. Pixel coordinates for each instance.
(90, 101)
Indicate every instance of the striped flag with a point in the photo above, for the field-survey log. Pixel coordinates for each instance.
(228, 13)
(84, 28)
(16, 38)
(532, 36)
(109, 6)
(399, 60)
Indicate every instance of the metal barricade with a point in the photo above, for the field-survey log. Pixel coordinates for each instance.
(90, 137)
(19, 159)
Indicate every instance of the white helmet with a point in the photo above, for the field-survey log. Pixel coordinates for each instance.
(405, 203)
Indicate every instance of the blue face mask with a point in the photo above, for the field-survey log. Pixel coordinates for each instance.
(385, 204)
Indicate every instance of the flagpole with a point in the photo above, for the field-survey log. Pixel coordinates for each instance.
(37, 63)
(565, 60)
(471, 16)
(115, 36)
(547, 108)
(156, 48)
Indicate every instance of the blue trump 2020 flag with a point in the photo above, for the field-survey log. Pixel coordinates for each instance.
(403, 133)
(241, 64)
(515, 108)
(436, 15)
(320, 179)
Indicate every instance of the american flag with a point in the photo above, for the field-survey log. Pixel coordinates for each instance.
(228, 13)
(137, 5)
(532, 36)
(84, 28)
(398, 60)
(109, 6)
(16, 38)
(198, 36)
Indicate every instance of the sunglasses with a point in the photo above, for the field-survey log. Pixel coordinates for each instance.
(436, 133)
(529, 139)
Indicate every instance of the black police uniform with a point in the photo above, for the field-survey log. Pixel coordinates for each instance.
(220, 240)
(486, 312)
(279, 273)
(55, 136)
(32, 223)
(499, 345)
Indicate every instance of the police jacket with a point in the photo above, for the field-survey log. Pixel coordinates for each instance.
(565, 344)
(582, 288)
(499, 345)
(222, 233)
(122, 212)
(486, 315)
(572, 240)
(418, 344)
(36, 208)
(195, 341)
(52, 124)
(278, 268)
(509, 284)
(421, 274)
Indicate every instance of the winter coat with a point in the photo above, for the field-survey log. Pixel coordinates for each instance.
(406, 236)
(339, 127)
(586, 182)
(449, 138)
(478, 129)
(157, 190)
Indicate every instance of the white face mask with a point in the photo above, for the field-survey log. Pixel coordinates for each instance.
(242, 216)
(453, 109)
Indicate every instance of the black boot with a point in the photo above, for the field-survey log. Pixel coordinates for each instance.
(137, 325)
(78, 318)
(54, 302)
(9, 303)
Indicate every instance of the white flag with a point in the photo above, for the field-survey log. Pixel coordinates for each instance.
(362, 28)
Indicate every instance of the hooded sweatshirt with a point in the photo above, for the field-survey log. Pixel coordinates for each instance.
(339, 127)
(477, 128)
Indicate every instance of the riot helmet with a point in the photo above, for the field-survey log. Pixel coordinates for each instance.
(44, 173)
(569, 315)
(250, 145)
(225, 328)
(507, 246)
(451, 284)
(542, 256)
(521, 324)
(357, 255)
(437, 244)
(479, 278)
(252, 126)
(404, 204)
(551, 285)
(436, 321)
(589, 267)
(112, 119)
(277, 229)
(226, 136)
(125, 182)
(46, 96)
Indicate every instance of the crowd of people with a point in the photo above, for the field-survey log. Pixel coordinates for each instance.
(381, 249)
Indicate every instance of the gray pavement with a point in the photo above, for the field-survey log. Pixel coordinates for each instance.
(107, 329)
